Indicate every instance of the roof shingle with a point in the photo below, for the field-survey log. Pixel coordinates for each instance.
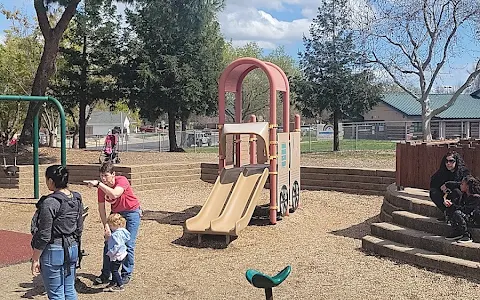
(465, 107)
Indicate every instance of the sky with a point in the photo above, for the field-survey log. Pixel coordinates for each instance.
(273, 23)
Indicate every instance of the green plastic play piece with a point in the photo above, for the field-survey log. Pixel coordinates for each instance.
(260, 280)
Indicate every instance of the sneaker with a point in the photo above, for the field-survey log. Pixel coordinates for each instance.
(116, 288)
(454, 237)
(465, 239)
(102, 279)
(126, 279)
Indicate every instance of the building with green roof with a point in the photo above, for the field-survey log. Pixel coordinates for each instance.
(401, 115)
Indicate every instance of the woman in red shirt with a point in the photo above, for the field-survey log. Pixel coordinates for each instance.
(117, 191)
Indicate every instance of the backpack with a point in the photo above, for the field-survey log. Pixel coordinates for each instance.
(77, 233)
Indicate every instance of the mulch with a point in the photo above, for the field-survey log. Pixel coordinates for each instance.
(14, 247)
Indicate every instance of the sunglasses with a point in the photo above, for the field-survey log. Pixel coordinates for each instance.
(452, 161)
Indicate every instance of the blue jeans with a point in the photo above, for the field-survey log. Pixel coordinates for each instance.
(133, 223)
(57, 284)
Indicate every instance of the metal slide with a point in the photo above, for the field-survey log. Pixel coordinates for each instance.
(231, 203)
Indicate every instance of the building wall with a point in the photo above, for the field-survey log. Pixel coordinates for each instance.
(383, 112)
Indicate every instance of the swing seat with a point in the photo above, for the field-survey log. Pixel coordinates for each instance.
(10, 170)
(260, 280)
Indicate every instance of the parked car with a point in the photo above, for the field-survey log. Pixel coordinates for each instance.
(149, 128)
(197, 138)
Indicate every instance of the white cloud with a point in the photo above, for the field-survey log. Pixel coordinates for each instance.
(245, 21)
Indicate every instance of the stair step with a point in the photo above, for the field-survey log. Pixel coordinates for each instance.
(339, 189)
(427, 224)
(164, 173)
(346, 184)
(349, 171)
(159, 186)
(419, 206)
(424, 258)
(389, 208)
(425, 240)
(350, 178)
(164, 179)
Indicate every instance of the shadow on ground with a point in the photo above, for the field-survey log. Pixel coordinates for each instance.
(83, 288)
(35, 288)
(357, 231)
(171, 217)
(208, 241)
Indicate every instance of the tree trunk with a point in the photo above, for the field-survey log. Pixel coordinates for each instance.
(52, 139)
(426, 129)
(172, 138)
(83, 99)
(46, 68)
(336, 138)
(44, 71)
(183, 140)
(75, 138)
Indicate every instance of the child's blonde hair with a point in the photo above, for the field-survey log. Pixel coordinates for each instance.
(116, 220)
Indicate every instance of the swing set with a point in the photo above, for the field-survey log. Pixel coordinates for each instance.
(12, 170)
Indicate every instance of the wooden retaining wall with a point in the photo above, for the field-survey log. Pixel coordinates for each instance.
(417, 161)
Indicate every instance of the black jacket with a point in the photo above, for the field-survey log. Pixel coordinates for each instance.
(442, 176)
(57, 216)
(468, 204)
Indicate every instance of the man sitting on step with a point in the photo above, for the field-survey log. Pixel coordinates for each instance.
(461, 213)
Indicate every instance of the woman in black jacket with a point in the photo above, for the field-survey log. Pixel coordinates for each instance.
(57, 227)
(452, 170)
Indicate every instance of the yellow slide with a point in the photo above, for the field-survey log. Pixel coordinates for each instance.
(231, 203)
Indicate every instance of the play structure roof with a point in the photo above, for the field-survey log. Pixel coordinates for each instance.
(260, 129)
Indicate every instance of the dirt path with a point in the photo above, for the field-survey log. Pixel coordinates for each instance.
(321, 241)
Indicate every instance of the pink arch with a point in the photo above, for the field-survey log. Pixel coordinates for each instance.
(231, 81)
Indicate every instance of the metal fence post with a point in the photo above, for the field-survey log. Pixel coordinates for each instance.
(195, 140)
(159, 143)
(310, 139)
(143, 141)
(356, 136)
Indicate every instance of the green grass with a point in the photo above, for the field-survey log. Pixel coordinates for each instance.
(324, 146)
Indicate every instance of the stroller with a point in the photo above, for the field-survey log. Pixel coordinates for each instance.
(110, 148)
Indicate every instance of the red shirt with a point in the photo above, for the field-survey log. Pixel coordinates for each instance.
(126, 202)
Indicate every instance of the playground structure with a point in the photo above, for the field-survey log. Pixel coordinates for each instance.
(12, 170)
(230, 205)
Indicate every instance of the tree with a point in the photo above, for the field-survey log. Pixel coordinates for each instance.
(89, 56)
(334, 77)
(19, 57)
(173, 59)
(414, 41)
(46, 67)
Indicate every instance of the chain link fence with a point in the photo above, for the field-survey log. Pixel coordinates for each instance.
(315, 137)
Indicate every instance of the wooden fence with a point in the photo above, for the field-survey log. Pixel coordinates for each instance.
(417, 161)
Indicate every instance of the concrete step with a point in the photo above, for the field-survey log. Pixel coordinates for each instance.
(425, 240)
(348, 171)
(339, 189)
(163, 167)
(349, 178)
(159, 186)
(162, 173)
(164, 179)
(427, 224)
(413, 204)
(389, 208)
(424, 258)
(345, 184)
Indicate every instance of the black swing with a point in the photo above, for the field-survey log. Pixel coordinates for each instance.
(10, 170)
